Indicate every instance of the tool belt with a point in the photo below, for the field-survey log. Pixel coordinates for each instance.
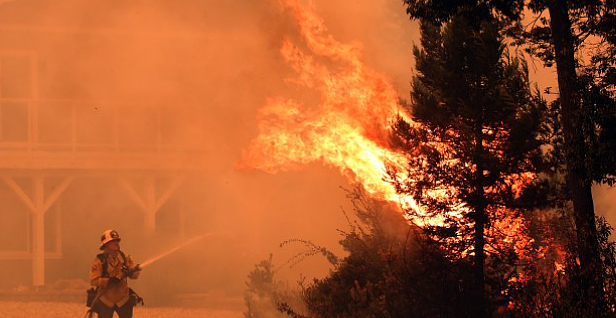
(134, 298)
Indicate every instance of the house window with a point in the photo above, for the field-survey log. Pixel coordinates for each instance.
(17, 92)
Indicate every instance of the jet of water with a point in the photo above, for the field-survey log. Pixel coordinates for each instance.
(166, 253)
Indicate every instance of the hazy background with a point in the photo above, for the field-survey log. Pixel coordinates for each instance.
(203, 68)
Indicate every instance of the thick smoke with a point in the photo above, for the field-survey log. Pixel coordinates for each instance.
(191, 73)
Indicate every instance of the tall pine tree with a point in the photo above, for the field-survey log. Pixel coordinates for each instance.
(476, 145)
(587, 103)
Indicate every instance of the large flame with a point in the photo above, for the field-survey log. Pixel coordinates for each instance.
(348, 129)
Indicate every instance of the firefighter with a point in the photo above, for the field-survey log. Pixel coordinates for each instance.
(109, 273)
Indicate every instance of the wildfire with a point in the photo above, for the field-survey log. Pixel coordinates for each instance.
(346, 130)
(349, 128)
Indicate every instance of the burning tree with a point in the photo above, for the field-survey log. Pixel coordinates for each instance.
(561, 34)
(474, 149)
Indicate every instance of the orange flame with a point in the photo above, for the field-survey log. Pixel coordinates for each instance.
(347, 130)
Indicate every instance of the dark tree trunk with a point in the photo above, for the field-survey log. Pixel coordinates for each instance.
(480, 304)
(479, 206)
(578, 181)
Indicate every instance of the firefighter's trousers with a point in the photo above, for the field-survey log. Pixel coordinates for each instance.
(126, 311)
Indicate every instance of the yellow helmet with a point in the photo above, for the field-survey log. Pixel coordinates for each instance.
(108, 236)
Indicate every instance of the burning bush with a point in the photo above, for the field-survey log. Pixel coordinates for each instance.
(389, 272)
(393, 270)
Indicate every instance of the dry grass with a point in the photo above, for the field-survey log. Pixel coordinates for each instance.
(14, 309)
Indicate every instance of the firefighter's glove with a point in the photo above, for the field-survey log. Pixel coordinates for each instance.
(113, 281)
(128, 272)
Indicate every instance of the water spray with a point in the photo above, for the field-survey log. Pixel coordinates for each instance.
(166, 253)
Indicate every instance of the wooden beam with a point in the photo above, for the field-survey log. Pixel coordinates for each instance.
(55, 194)
(38, 233)
(39, 205)
(20, 193)
(57, 229)
(133, 194)
(26, 255)
(175, 183)
(148, 201)
(46, 204)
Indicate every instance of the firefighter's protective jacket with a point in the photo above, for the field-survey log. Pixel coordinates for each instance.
(112, 294)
